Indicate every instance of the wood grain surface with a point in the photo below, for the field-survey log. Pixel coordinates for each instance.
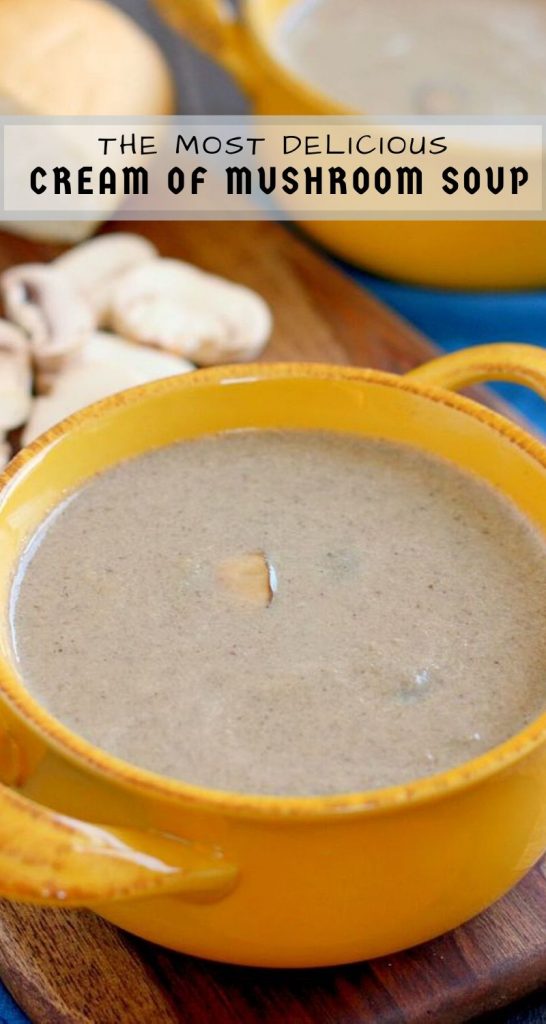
(67, 967)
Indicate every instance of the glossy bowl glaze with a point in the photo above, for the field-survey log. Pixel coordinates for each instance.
(267, 880)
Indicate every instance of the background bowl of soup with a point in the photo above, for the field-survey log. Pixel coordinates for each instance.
(310, 875)
(309, 57)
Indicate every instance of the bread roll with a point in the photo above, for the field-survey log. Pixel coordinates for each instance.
(79, 58)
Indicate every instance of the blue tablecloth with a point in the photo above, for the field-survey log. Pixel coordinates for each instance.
(455, 320)
(9, 1012)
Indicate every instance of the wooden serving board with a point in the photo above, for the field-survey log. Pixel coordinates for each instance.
(67, 967)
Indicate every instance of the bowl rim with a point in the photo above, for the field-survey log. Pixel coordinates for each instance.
(403, 795)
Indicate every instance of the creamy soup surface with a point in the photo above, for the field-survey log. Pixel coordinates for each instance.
(403, 628)
(420, 56)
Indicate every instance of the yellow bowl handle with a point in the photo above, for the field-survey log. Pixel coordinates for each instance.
(48, 858)
(522, 364)
(213, 26)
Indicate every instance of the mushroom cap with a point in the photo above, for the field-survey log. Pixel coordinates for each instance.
(94, 267)
(103, 366)
(175, 306)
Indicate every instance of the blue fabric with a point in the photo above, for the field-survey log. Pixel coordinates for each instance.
(9, 1011)
(456, 319)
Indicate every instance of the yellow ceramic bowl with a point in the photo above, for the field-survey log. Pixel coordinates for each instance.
(268, 880)
(453, 254)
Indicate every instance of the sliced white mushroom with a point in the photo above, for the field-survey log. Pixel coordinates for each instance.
(15, 377)
(249, 577)
(105, 365)
(94, 267)
(172, 305)
(56, 318)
